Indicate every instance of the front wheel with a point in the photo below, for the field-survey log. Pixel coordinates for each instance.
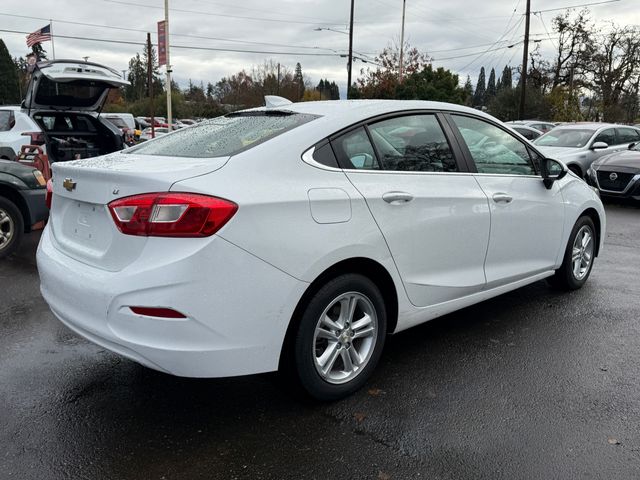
(340, 337)
(11, 227)
(578, 257)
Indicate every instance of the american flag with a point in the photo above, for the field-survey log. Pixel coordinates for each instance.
(39, 36)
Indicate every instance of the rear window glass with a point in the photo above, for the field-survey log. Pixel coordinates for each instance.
(6, 120)
(80, 93)
(224, 136)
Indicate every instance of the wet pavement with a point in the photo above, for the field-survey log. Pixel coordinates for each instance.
(532, 384)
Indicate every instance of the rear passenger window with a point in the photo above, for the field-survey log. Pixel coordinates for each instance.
(628, 135)
(607, 136)
(6, 120)
(413, 143)
(354, 151)
(494, 150)
(323, 154)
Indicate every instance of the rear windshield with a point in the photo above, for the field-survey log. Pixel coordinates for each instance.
(224, 136)
(78, 93)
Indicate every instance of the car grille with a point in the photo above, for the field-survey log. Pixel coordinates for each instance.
(616, 185)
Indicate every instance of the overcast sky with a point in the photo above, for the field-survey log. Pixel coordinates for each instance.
(455, 28)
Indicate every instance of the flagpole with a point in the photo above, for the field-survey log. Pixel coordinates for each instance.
(53, 47)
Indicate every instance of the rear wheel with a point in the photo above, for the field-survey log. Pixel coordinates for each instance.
(11, 227)
(340, 337)
(578, 257)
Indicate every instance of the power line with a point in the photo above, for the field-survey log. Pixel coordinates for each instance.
(576, 6)
(539, 15)
(199, 37)
(186, 47)
(225, 15)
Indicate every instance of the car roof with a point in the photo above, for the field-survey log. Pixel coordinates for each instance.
(341, 113)
(588, 125)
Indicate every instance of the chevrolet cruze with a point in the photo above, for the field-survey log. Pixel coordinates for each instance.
(296, 237)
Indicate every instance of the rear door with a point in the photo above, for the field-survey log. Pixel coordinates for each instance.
(431, 211)
(526, 218)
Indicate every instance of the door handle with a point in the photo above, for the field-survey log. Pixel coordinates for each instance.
(502, 198)
(397, 198)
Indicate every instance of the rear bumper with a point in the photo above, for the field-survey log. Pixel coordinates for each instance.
(237, 306)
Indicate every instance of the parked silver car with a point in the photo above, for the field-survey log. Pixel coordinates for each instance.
(579, 145)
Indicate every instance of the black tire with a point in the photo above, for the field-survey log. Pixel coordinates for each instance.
(565, 277)
(11, 226)
(306, 346)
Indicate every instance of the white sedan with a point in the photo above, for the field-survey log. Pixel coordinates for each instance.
(297, 236)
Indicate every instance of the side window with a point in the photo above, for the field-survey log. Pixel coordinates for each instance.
(323, 154)
(493, 149)
(627, 135)
(6, 120)
(413, 143)
(607, 136)
(354, 150)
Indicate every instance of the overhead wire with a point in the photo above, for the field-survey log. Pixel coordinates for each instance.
(188, 47)
(224, 15)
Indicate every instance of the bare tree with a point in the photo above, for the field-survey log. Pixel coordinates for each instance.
(614, 69)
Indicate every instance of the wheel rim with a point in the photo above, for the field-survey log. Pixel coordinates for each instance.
(6, 229)
(345, 338)
(582, 252)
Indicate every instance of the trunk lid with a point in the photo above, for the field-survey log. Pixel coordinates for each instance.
(71, 85)
(81, 223)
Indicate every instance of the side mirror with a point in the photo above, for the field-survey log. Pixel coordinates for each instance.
(631, 145)
(552, 170)
(599, 146)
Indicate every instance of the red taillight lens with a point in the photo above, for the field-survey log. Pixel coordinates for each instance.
(49, 194)
(37, 138)
(171, 214)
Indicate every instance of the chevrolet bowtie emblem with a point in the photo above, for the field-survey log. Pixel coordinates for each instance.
(69, 184)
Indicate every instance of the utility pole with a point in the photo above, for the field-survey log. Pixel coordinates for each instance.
(350, 50)
(278, 90)
(525, 57)
(166, 23)
(404, 4)
(150, 84)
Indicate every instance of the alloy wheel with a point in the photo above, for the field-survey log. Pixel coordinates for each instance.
(7, 228)
(345, 338)
(582, 252)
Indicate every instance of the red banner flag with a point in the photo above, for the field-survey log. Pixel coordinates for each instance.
(162, 43)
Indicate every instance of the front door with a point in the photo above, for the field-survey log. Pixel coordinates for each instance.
(526, 218)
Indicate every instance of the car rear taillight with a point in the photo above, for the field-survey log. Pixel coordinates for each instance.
(171, 214)
(37, 138)
(49, 194)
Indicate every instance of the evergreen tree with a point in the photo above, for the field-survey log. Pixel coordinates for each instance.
(468, 91)
(491, 87)
(298, 80)
(9, 79)
(137, 77)
(478, 96)
(210, 90)
(506, 82)
(39, 52)
(158, 85)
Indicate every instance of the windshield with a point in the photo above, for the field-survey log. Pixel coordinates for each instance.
(224, 136)
(565, 137)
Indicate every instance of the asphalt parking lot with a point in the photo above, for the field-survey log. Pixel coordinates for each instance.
(533, 384)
